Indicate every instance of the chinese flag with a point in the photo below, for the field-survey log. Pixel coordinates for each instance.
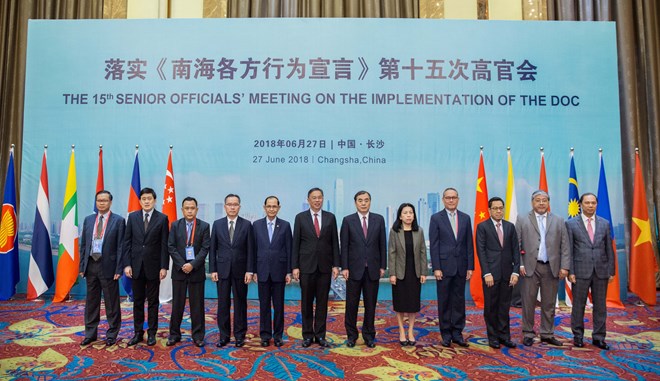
(642, 258)
(169, 195)
(480, 214)
(543, 182)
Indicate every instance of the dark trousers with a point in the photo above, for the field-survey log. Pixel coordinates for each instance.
(96, 285)
(497, 300)
(270, 291)
(239, 289)
(599, 298)
(369, 290)
(314, 286)
(195, 292)
(145, 288)
(451, 307)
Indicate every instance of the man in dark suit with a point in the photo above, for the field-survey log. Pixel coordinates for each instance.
(363, 262)
(232, 264)
(593, 267)
(146, 261)
(101, 248)
(315, 258)
(499, 257)
(272, 236)
(452, 256)
(188, 244)
(545, 259)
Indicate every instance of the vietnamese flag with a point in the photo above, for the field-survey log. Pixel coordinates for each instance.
(642, 258)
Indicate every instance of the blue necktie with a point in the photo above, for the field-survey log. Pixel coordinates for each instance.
(543, 255)
(270, 231)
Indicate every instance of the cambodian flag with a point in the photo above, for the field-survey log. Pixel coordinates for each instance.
(40, 271)
(133, 205)
(9, 269)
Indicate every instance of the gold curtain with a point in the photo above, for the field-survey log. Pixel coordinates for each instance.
(323, 8)
(638, 31)
(14, 16)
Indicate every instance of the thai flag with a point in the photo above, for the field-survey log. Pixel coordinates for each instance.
(9, 269)
(40, 272)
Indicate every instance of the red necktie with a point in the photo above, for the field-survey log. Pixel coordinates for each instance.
(364, 226)
(317, 227)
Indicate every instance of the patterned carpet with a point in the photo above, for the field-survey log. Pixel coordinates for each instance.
(40, 341)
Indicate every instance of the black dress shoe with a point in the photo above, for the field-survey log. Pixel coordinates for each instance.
(528, 341)
(265, 343)
(446, 343)
(461, 343)
(222, 342)
(552, 341)
(306, 343)
(371, 344)
(87, 341)
(411, 343)
(404, 343)
(137, 338)
(110, 342)
(507, 343)
(494, 344)
(279, 342)
(350, 343)
(601, 344)
(151, 340)
(199, 343)
(171, 341)
(578, 342)
(239, 343)
(323, 343)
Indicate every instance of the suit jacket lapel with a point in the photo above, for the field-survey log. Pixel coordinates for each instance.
(492, 230)
(535, 224)
(444, 218)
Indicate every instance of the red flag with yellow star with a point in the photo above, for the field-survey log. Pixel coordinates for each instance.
(480, 214)
(642, 258)
(543, 181)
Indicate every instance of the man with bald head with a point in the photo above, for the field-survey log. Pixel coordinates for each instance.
(545, 258)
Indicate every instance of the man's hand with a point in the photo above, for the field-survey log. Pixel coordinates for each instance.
(571, 278)
(522, 271)
(287, 279)
(438, 274)
(117, 276)
(248, 278)
(611, 279)
(128, 271)
(489, 280)
(163, 274)
(514, 280)
(469, 275)
(296, 274)
(335, 272)
(187, 268)
(214, 277)
(393, 280)
(344, 273)
(563, 273)
(422, 279)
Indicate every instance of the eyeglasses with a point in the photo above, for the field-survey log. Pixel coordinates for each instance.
(233, 205)
(451, 197)
(497, 208)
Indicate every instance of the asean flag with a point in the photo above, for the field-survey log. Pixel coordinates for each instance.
(9, 269)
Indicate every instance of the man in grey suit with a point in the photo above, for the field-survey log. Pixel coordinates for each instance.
(546, 258)
(101, 248)
(592, 267)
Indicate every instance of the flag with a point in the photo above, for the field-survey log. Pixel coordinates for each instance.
(9, 269)
(480, 214)
(543, 181)
(99, 178)
(642, 258)
(169, 209)
(573, 211)
(40, 270)
(68, 262)
(511, 207)
(603, 210)
(133, 205)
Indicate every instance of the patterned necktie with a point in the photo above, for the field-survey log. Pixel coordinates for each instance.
(188, 233)
(317, 227)
(500, 234)
(146, 221)
(590, 230)
(231, 231)
(270, 231)
(364, 226)
(99, 228)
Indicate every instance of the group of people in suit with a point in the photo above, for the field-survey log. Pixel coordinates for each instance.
(540, 248)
